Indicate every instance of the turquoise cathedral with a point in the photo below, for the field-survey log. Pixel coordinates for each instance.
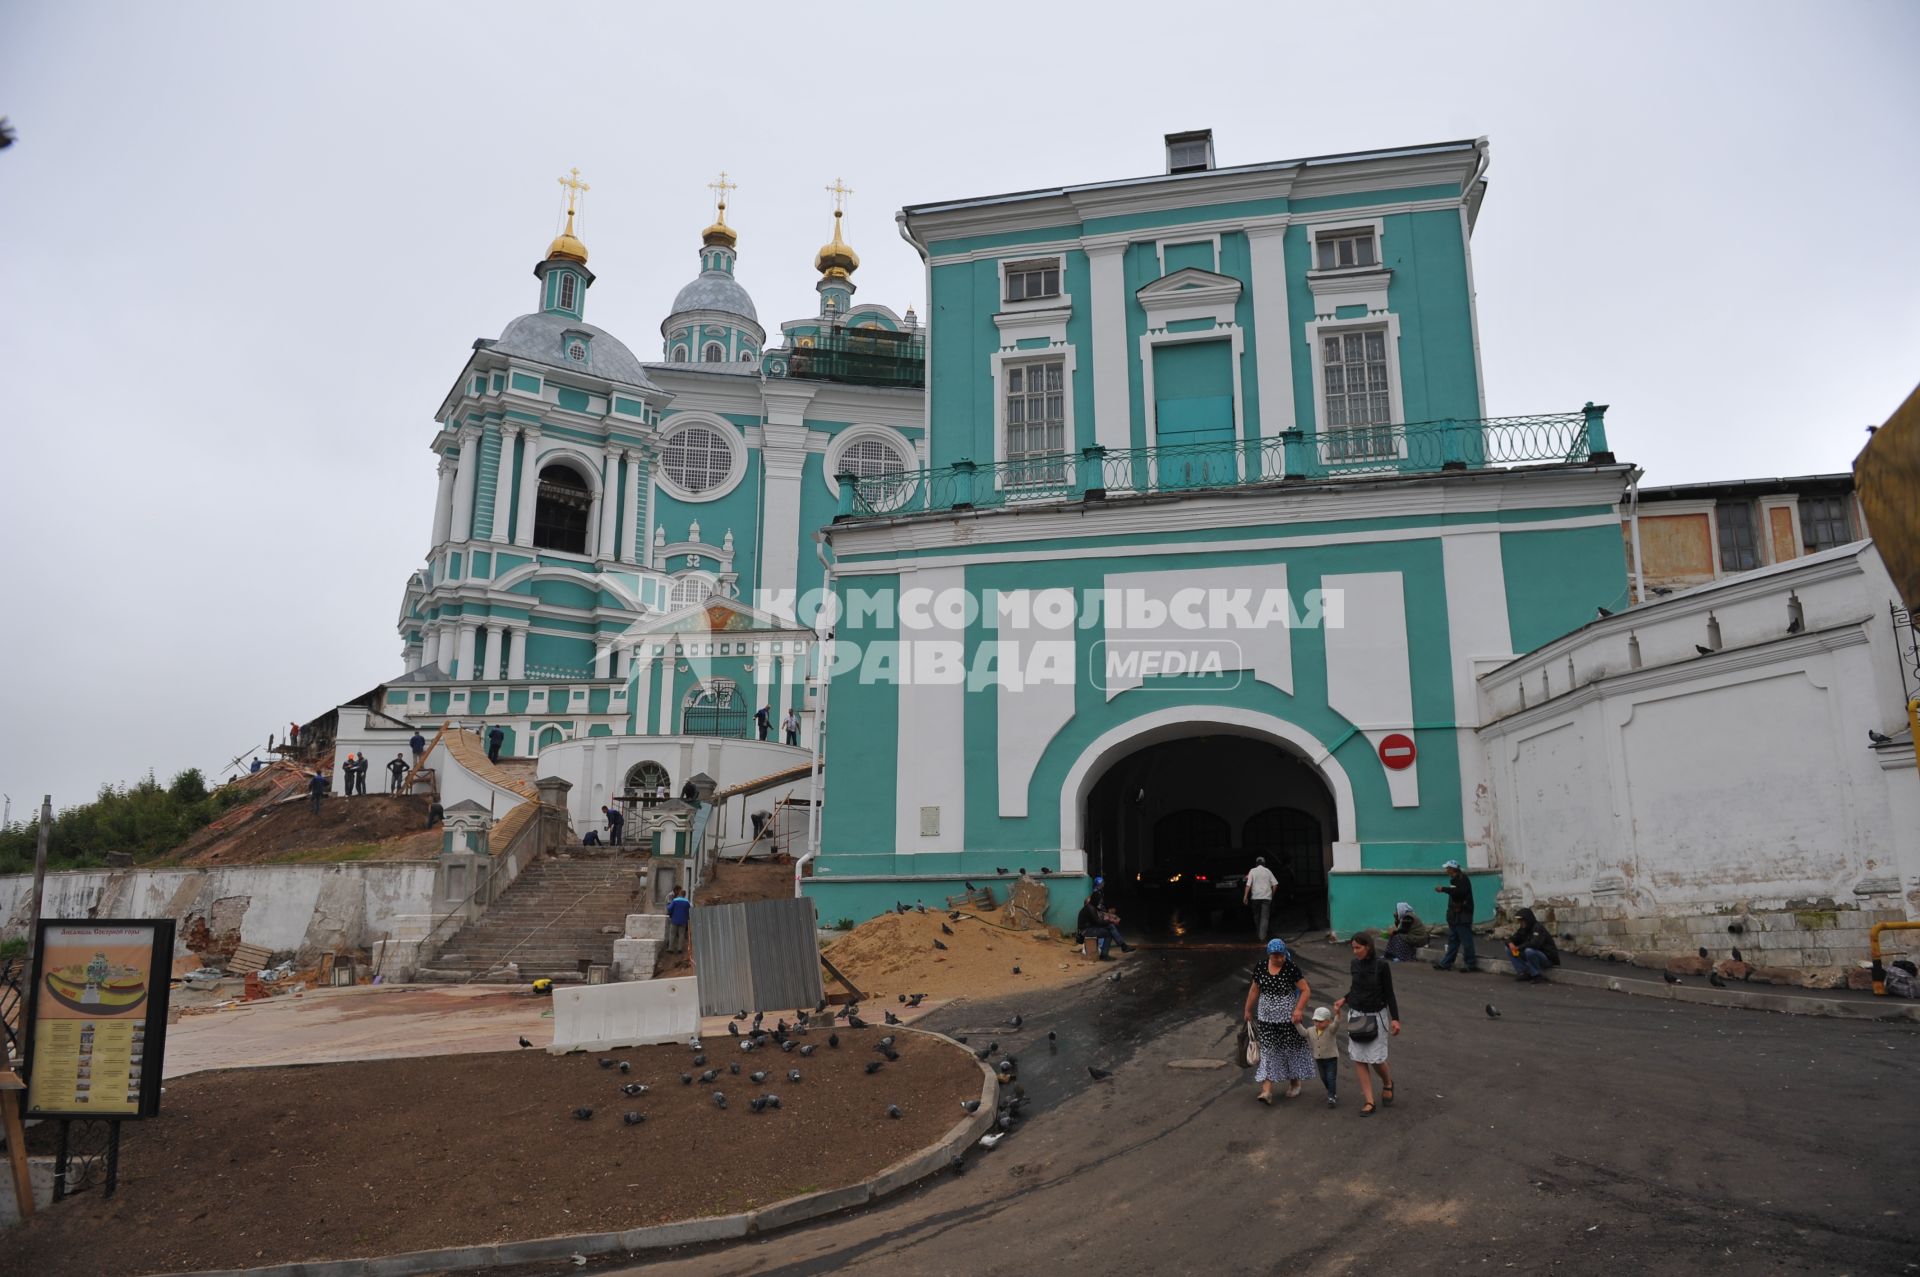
(1218, 534)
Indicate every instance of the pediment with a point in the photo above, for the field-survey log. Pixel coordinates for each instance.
(1189, 285)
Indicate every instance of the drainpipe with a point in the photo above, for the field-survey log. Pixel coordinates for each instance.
(1633, 517)
(1873, 950)
(821, 545)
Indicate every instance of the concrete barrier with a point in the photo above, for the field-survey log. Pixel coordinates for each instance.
(597, 1017)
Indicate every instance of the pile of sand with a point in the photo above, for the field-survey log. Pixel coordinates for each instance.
(894, 954)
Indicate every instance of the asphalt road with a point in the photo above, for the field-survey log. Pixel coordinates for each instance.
(1581, 1132)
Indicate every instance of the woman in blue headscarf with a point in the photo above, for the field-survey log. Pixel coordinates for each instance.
(1276, 1003)
(1407, 935)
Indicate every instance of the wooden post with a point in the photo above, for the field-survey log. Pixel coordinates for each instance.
(12, 1092)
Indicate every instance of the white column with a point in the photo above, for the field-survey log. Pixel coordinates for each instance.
(667, 722)
(411, 655)
(1272, 334)
(763, 667)
(496, 640)
(503, 487)
(1112, 403)
(783, 455)
(463, 482)
(430, 646)
(641, 698)
(467, 633)
(787, 662)
(602, 660)
(446, 645)
(529, 486)
(623, 663)
(443, 504)
(637, 460)
(609, 505)
(517, 660)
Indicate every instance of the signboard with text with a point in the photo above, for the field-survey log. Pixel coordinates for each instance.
(96, 1023)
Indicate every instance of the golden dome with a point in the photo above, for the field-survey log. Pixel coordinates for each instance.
(719, 235)
(566, 244)
(835, 259)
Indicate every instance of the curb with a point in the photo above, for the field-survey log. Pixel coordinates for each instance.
(687, 1232)
(1881, 1009)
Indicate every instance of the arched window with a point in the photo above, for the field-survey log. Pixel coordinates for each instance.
(868, 458)
(689, 590)
(715, 353)
(568, 287)
(696, 458)
(646, 778)
(562, 511)
(679, 355)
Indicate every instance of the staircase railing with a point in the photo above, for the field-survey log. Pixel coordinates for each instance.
(588, 894)
(519, 852)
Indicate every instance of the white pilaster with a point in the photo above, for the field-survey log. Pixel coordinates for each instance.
(496, 641)
(641, 698)
(931, 778)
(430, 645)
(609, 505)
(503, 487)
(463, 483)
(602, 661)
(783, 455)
(763, 671)
(1112, 415)
(1272, 333)
(529, 487)
(443, 503)
(517, 657)
(636, 538)
(665, 724)
(468, 632)
(446, 647)
(623, 663)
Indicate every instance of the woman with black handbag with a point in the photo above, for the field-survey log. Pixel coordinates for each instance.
(1276, 1001)
(1373, 1016)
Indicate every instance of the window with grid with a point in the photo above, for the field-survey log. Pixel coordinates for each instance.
(568, 287)
(1030, 281)
(697, 459)
(871, 458)
(1343, 250)
(715, 353)
(689, 590)
(1824, 523)
(1037, 422)
(1739, 545)
(1359, 408)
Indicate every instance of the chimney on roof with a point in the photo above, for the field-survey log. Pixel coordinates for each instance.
(1190, 152)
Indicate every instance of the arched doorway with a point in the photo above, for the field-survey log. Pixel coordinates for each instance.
(562, 509)
(1175, 824)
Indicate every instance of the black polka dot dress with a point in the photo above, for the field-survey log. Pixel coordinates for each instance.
(1285, 1055)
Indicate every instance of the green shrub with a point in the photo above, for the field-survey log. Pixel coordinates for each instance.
(845, 924)
(14, 948)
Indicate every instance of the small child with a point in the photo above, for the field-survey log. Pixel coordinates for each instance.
(1326, 1053)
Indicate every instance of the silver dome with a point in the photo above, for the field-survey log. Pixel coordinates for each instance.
(538, 337)
(715, 290)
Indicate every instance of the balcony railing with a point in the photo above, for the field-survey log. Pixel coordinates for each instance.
(856, 356)
(1569, 438)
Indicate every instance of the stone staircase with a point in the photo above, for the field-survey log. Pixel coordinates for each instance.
(560, 912)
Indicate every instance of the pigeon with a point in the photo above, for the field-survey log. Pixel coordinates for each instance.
(606, 1064)
(833, 1040)
(631, 1118)
(893, 1110)
(757, 1103)
(1098, 1075)
(1052, 1036)
(1703, 951)
(720, 1099)
(780, 1028)
(945, 930)
(1005, 1122)
(1023, 871)
(633, 1088)
(1737, 957)
(938, 945)
(970, 1106)
(699, 1061)
(787, 1044)
(1704, 651)
(793, 1075)
(1713, 978)
(625, 1067)
(954, 916)
(819, 1006)
(740, 1014)
(890, 1053)
(1016, 970)
(709, 1075)
(992, 1047)
(582, 1113)
(958, 1165)
(807, 1049)
(773, 1101)
(916, 1000)
(901, 906)
(883, 1043)
(967, 885)
(902, 999)
(890, 1017)
(1493, 1012)
(1670, 977)
(1878, 738)
(1603, 613)
(1796, 625)
(855, 1022)
(1002, 870)
(758, 1016)
(733, 1067)
(1015, 1022)
(1114, 978)
(874, 1066)
(733, 1027)
(1045, 870)
(960, 1038)
(918, 907)
(525, 1043)
(747, 1044)
(693, 1044)
(757, 1076)
(686, 1079)
(983, 1053)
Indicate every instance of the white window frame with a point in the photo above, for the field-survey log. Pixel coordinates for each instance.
(1237, 337)
(678, 355)
(1160, 247)
(568, 293)
(1328, 236)
(1002, 361)
(713, 353)
(830, 460)
(679, 422)
(1319, 329)
(710, 583)
(1023, 266)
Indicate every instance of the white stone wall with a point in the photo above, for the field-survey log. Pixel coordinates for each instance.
(1696, 788)
(597, 766)
(285, 908)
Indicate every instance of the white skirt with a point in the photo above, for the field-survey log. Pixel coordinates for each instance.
(1374, 1052)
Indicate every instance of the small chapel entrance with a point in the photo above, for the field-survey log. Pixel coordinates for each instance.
(1175, 825)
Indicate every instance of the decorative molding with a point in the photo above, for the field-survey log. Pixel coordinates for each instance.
(1189, 293)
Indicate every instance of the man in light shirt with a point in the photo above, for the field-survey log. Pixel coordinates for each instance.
(1259, 893)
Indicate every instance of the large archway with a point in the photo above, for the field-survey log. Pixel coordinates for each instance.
(1174, 819)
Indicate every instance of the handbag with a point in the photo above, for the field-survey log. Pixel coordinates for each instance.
(1362, 1026)
(1249, 1051)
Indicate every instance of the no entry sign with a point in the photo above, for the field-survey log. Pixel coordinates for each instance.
(1396, 751)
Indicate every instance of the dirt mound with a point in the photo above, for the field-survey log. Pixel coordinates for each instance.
(377, 827)
(895, 954)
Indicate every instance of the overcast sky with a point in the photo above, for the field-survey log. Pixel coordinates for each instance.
(244, 250)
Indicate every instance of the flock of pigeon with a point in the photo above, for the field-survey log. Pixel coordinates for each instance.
(785, 1038)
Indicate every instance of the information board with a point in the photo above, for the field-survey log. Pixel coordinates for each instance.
(97, 1017)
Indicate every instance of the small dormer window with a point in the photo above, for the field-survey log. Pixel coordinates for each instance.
(1190, 152)
(577, 351)
(569, 290)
